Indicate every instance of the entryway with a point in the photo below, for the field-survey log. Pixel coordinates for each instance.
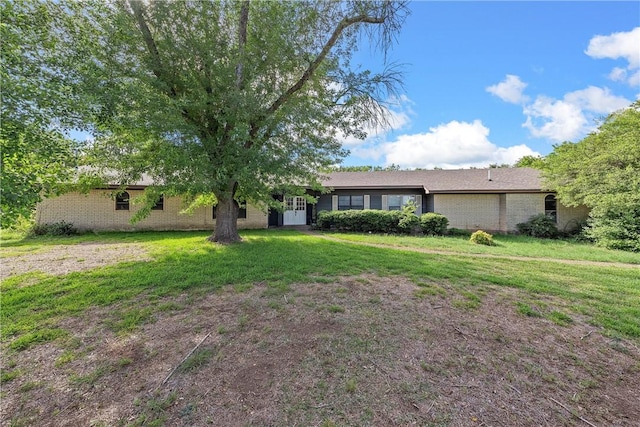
(295, 211)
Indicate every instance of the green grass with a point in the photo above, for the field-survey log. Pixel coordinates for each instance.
(196, 360)
(506, 245)
(186, 264)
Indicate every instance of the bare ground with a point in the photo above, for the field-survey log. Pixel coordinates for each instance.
(64, 259)
(359, 350)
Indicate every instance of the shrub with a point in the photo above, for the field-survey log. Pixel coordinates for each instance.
(365, 221)
(409, 222)
(458, 232)
(433, 224)
(616, 225)
(482, 238)
(61, 228)
(539, 226)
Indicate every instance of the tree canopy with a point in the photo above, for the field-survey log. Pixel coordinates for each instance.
(222, 100)
(36, 108)
(603, 172)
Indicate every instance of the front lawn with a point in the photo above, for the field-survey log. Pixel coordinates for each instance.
(509, 245)
(324, 331)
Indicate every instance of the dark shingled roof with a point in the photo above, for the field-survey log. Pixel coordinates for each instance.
(442, 181)
(509, 180)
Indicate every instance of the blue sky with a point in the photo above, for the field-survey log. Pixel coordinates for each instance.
(490, 82)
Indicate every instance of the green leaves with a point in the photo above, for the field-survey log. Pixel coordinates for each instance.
(206, 97)
(35, 164)
(603, 172)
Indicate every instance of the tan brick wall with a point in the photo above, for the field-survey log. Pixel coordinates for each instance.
(97, 211)
(521, 207)
(501, 212)
(469, 211)
(569, 218)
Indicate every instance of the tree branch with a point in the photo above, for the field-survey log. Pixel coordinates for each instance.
(311, 69)
(308, 73)
(242, 42)
(138, 13)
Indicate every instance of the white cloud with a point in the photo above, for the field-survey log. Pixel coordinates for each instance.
(618, 74)
(450, 146)
(634, 79)
(554, 119)
(597, 100)
(571, 117)
(617, 45)
(625, 45)
(509, 90)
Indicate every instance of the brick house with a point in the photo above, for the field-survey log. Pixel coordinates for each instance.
(493, 200)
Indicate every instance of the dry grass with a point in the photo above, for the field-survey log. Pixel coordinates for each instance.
(359, 350)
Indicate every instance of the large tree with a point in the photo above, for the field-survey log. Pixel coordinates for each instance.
(226, 101)
(35, 109)
(602, 171)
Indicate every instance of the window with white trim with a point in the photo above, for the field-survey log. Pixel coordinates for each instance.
(350, 202)
(397, 201)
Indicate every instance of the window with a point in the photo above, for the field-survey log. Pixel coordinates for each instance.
(296, 203)
(396, 202)
(350, 202)
(122, 201)
(551, 207)
(242, 213)
(159, 206)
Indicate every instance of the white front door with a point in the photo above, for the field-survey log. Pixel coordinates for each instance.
(295, 211)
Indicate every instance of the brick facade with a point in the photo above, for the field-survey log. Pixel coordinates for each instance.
(97, 211)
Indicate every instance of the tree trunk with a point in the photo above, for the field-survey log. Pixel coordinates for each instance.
(226, 230)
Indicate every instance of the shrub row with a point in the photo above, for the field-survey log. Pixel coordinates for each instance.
(539, 226)
(61, 228)
(378, 221)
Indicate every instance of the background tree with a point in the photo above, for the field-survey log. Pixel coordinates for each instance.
(225, 100)
(603, 172)
(36, 107)
(535, 162)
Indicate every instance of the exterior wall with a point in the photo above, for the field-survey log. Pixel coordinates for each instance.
(470, 211)
(325, 201)
(96, 211)
(569, 218)
(521, 207)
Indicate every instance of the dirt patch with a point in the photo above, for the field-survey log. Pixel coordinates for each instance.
(360, 351)
(63, 259)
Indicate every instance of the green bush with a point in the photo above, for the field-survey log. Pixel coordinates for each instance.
(458, 232)
(482, 238)
(616, 224)
(433, 224)
(61, 228)
(539, 226)
(365, 221)
(409, 222)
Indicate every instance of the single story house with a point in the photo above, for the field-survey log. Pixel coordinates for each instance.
(493, 200)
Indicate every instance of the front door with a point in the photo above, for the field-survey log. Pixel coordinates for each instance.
(295, 211)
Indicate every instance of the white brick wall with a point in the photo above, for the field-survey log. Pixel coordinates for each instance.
(97, 211)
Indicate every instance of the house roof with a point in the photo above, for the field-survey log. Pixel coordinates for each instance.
(442, 181)
(510, 180)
